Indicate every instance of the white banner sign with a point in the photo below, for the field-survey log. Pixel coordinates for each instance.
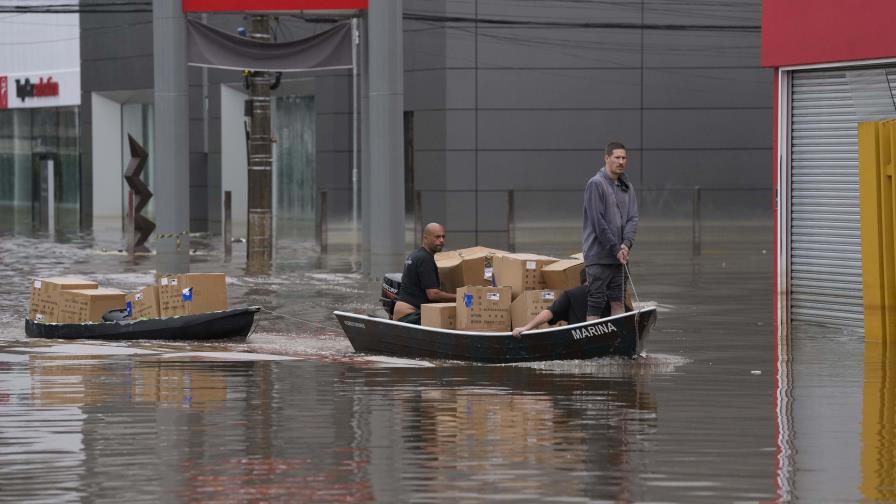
(57, 88)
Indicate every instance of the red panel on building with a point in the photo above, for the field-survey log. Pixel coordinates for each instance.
(270, 5)
(4, 92)
(801, 32)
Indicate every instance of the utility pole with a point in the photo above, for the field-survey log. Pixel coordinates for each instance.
(260, 236)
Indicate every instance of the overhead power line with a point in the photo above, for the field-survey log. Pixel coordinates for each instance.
(432, 18)
(123, 7)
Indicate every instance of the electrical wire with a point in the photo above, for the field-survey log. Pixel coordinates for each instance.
(416, 16)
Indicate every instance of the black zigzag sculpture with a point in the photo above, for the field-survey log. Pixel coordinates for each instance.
(143, 227)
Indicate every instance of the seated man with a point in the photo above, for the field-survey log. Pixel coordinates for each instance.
(571, 307)
(420, 279)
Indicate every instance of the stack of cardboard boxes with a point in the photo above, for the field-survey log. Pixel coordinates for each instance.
(497, 290)
(45, 295)
(74, 301)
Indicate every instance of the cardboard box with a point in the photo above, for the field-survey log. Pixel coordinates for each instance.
(441, 315)
(192, 293)
(88, 305)
(44, 305)
(170, 304)
(483, 308)
(446, 262)
(521, 272)
(469, 266)
(529, 304)
(144, 303)
(563, 274)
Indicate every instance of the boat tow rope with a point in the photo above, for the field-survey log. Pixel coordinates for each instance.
(629, 275)
(272, 312)
(637, 300)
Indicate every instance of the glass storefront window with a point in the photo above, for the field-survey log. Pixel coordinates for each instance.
(296, 169)
(32, 141)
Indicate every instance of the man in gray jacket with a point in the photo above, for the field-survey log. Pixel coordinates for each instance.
(608, 231)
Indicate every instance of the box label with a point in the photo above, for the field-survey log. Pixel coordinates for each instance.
(187, 294)
(488, 273)
(530, 265)
(493, 296)
(164, 281)
(547, 296)
(37, 284)
(130, 308)
(468, 300)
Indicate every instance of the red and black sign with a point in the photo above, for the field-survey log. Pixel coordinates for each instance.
(27, 89)
(4, 92)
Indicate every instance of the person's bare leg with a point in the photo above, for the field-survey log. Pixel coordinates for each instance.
(616, 308)
(589, 318)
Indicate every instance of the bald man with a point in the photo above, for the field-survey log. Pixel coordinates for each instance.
(420, 279)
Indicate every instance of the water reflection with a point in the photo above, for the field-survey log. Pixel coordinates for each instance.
(72, 380)
(836, 417)
(516, 432)
(879, 425)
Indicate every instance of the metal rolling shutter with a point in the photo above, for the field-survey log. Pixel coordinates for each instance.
(825, 265)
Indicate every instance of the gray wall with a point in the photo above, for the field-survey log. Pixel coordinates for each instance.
(529, 108)
(116, 54)
(517, 107)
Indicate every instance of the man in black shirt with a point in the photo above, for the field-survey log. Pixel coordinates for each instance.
(420, 279)
(570, 307)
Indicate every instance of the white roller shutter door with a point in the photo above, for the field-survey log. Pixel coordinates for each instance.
(825, 261)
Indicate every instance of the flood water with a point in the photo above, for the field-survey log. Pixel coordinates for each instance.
(293, 414)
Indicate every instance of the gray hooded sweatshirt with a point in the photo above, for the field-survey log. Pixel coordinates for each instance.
(611, 218)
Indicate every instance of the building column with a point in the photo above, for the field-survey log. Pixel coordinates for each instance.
(384, 202)
(171, 149)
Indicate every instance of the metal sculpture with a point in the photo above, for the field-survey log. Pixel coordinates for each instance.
(143, 227)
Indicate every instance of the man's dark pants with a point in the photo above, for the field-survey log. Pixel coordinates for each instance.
(604, 284)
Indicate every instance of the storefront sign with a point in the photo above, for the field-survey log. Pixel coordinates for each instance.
(38, 89)
(26, 89)
(271, 5)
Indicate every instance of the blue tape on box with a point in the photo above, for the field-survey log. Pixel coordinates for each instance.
(130, 307)
(468, 300)
(187, 294)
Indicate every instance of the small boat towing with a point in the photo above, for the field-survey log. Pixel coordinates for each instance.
(623, 335)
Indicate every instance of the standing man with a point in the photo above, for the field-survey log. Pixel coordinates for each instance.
(608, 231)
(420, 279)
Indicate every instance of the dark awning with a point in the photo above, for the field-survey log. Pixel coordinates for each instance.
(211, 47)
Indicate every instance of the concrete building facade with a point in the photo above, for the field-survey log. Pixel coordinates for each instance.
(507, 109)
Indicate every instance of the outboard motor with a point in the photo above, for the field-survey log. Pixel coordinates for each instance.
(391, 284)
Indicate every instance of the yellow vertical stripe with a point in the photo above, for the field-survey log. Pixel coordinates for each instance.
(877, 186)
(877, 203)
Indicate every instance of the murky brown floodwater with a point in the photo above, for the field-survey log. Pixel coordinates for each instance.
(293, 414)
